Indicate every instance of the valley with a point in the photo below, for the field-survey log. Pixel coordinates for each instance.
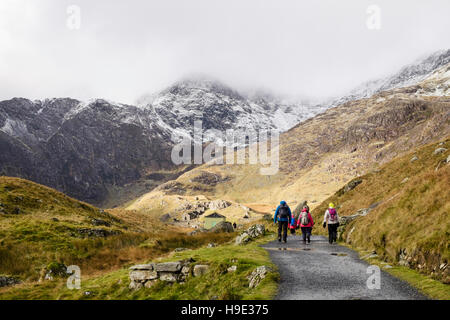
(380, 153)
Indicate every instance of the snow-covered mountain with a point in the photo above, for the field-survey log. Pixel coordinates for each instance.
(406, 76)
(85, 148)
(220, 107)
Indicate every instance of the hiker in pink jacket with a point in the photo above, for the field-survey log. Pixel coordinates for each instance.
(306, 223)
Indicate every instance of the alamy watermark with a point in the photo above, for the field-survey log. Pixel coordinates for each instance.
(373, 21)
(239, 145)
(73, 21)
(74, 280)
(374, 280)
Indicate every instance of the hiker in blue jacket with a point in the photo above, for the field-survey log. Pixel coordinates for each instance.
(283, 216)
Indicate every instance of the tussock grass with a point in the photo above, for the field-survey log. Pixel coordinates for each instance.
(411, 215)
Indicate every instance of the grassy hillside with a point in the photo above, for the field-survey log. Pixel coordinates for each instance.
(40, 228)
(409, 222)
(216, 284)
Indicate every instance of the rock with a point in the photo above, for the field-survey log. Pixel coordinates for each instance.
(55, 269)
(168, 267)
(439, 151)
(257, 275)
(223, 226)
(8, 281)
(168, 276)
(100, 222)
(150, 267)
(97, 233)
(135, 285)
(211, 245)
(180, 249)
(219, 204)
(268, 217)
(186, 270)
(242, 238)
(55, 219)
(387, 266)
(253, 232)
(232, 269)
(200, 269)
(442, 266)
(165, 217)
(143, 275)
(256, 230)
(414, 158)
(404, 180)
(349, 186)
(448, 159)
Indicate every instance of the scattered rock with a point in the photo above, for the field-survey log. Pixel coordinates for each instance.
(100, 222)
(439, 151)
(223, 226)
(211, 245)
(257, 275)
(165, 217)
(200, 269)
(232, 269)
(97, 233)
(251, 233)
(168, 267)
(180, 249)
(414, 158)
(8, 281)
(55, 219)
(448, 159)
(349, 186)
(148, 274)
(404, 180)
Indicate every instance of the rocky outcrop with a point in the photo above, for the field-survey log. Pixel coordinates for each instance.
(250, 234)
(96, 233)
(257, 275)
(6, 281)
(223, 226)
(146, 275)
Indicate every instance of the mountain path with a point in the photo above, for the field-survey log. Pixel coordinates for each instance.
(322, 271)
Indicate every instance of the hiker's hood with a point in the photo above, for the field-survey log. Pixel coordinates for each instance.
(282, 202)
(304, 210)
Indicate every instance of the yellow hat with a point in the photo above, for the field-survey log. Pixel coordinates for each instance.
(331, 205)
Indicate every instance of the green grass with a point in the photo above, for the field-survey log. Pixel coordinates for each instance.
(216, 284)
(425, 284)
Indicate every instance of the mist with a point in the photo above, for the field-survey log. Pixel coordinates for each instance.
(123, 50)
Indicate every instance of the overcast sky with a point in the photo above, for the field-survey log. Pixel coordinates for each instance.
(124, 49)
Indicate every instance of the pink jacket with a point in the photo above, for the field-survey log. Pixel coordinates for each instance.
(311, 221)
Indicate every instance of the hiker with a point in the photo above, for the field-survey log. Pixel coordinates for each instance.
(331, 217)
(283, 216)
(306, 223)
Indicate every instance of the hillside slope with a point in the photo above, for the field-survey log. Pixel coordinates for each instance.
(320, 155)
(400, 211)
(41, 227)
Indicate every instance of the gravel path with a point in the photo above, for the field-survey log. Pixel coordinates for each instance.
(322, 271)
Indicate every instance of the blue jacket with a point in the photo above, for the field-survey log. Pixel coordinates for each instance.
(275, 217)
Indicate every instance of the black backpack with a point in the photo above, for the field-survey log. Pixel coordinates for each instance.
(283, 212)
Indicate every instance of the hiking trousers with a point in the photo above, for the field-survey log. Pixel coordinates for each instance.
(332, 232)
(282, 230)
(306, 233)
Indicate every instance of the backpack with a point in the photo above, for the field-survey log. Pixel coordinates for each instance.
(333, 213)
(283, 212)
(304, 220)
